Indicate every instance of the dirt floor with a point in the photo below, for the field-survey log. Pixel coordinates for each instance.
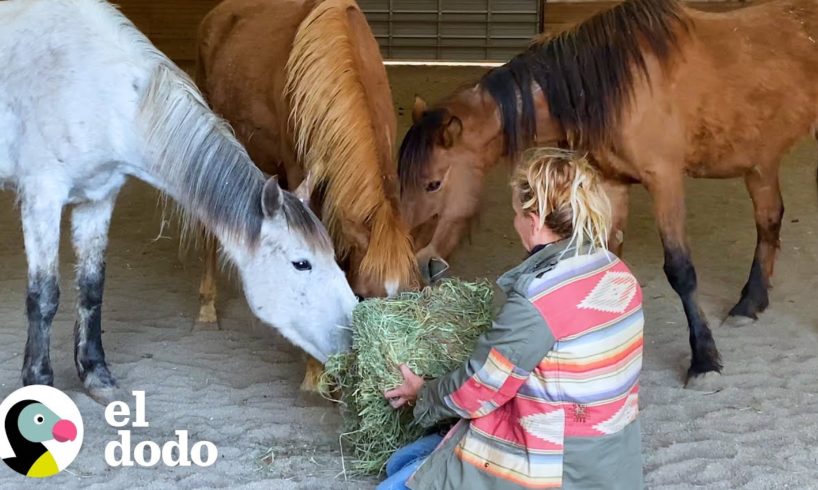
(754, 427)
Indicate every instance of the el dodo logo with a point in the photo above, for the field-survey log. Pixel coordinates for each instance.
(41, 431)
(148, 453)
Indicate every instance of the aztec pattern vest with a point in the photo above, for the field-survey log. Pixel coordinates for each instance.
(585, 387)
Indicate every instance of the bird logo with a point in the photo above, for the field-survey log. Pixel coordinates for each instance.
(43, 431)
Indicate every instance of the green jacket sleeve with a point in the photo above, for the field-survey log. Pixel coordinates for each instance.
(500, 364)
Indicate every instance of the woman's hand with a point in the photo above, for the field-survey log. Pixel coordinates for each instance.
(407, 393)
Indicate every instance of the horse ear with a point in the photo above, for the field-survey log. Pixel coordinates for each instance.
(304, 191)
(272, 197)
(418, 109)
(451, 132)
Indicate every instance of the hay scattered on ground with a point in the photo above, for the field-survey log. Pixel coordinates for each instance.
(432, 331)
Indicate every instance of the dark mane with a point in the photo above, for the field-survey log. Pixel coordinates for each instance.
(417, 145)
(586, 73)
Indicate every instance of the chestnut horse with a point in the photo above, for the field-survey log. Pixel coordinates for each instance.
(304, 85)
(655, 92)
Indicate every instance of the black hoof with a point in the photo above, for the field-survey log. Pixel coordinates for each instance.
(697, 371)
(38, 375)
(706, 359)
(749, 308)
(737, 321)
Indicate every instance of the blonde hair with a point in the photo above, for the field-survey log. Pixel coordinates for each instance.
(565, 191)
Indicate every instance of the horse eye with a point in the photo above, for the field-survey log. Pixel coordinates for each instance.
(302, 265)
(433, 186)
(39, 419)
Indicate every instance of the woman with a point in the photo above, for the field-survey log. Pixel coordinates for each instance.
(549, 397)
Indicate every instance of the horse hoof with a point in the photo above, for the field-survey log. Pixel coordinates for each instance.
(310, 382)
(748, 309)
(706, 359)
(102, 386)
(711, 382)
(106, 395)
(205, 326)
(736, 321)
(208, 318)
(310, 395)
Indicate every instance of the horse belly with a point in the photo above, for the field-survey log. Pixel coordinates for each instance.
(720, 170)
(105, 181)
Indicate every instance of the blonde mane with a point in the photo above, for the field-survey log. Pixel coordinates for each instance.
(343, 132)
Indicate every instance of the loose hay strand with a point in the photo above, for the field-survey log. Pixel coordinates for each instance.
(432, 331)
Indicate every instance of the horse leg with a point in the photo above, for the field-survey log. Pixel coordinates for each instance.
(208, 318)
(769, 211)
(619, 196)
(89, 232)
(669, 207)
(312, 375)
(41, 230)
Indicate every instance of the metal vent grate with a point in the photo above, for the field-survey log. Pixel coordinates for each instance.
(453, 30)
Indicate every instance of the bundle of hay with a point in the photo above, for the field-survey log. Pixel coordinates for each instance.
(432, 331)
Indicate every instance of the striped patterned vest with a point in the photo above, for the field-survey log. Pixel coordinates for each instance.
(586, 386)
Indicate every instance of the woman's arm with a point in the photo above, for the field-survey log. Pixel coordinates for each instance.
(500, 364)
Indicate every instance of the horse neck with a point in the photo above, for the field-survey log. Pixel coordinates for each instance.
(344, 128)
(390, 260)
(195, 159)
(483, 130)
(519, 135)
(548, 129)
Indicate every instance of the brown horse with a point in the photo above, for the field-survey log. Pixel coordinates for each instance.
(655, 92)
(304, 86)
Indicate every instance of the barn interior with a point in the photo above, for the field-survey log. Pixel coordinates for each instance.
(755, 426)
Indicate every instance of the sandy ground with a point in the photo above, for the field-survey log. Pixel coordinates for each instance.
(754, 427)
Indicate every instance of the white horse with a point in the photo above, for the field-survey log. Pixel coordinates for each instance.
(86, 101)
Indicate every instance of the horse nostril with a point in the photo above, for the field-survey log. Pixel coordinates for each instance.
(359, 297)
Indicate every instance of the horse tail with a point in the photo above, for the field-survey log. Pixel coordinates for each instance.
(343, 125)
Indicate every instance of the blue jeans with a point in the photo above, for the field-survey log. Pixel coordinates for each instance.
(406, 460)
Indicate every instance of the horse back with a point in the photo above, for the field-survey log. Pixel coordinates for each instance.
(76, 71)
(753, 40)
(243, 49)
(739, 92)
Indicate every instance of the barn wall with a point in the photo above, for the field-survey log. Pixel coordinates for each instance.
(452, 29)
(172, 25)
